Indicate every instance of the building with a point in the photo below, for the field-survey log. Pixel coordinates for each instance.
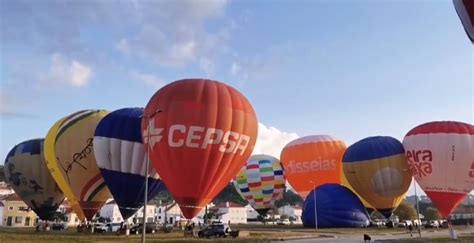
(293, 212)
(71, 217)
(111, 211)
(231, 212)
(169, 213)
(15, 213)
(252, 214)
(5, 189)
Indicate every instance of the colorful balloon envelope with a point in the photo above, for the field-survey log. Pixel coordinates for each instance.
(441, 158)
(200, 133)
(54, 169)
(336, 207)
(121, 158)
(73, 148)
(312, 161)
(26, 172)
(261, 182)
(346, 184)
(377, 170)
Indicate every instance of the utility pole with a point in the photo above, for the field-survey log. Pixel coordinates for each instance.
(150, 121)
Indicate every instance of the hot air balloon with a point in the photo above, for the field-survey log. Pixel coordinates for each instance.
(200, 133)
(261, 182)
(73, 148)
(346, 184)
(311, 161)
(27, 174)
(53, 167)
(441, 158)
(336, 206)
(377, 170)
(465, 11)
(121, 157)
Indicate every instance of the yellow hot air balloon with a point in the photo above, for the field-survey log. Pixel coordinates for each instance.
(55, 171)
(76, 162)
(346, 183)
(377, 170)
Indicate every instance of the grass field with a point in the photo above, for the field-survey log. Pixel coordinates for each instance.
(29, 235)
(252, 233)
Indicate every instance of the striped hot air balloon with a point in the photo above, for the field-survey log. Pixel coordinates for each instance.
(121, 158)
(261, 182)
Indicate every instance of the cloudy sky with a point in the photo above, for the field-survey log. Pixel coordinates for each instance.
(350, 69)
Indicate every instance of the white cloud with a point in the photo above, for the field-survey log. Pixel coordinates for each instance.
(69, 72)
(148, 79)
(173, 33)
(208, 66)
(235, 68)
(271, 141)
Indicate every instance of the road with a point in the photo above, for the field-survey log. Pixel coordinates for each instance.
(382, 237)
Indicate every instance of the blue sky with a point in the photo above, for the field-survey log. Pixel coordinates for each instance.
(350, 69)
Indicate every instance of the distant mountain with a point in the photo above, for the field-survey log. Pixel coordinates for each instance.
(425, 199)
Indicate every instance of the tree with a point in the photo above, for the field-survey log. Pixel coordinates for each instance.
(229, 194)
(2, 173)
(432, 214)
(289, 198)
(405, 211)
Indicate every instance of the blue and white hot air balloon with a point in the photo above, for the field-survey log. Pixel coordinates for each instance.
(121, 157)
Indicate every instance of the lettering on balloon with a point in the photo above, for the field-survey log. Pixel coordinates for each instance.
(199, 137)
(308, 166)
(471, 172)
(77, 157)
(420, 162)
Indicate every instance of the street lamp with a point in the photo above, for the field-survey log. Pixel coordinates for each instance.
(315, 207)
(147, 168)
(417, 209)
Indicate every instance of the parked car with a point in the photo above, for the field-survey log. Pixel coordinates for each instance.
(150, 228)
(59, 226)
(377, 223)
(402, 224)
(432, 224)
(213, 230)
(108, 227)
(283, 222)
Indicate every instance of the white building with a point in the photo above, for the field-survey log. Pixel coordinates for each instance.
(111, 211)
(169, 213)
(231, 212)
(292, 212)
(5, 189)
(252, 214)
(71, 217)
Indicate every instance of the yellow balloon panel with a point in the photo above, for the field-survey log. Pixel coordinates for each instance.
(346, 183)
(55, 171)
(76, 160)
(382, 182)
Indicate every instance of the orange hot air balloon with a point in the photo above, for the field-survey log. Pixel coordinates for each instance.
(312, 161)
(200, 133)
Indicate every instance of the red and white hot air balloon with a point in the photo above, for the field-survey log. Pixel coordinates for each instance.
(440, 156)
